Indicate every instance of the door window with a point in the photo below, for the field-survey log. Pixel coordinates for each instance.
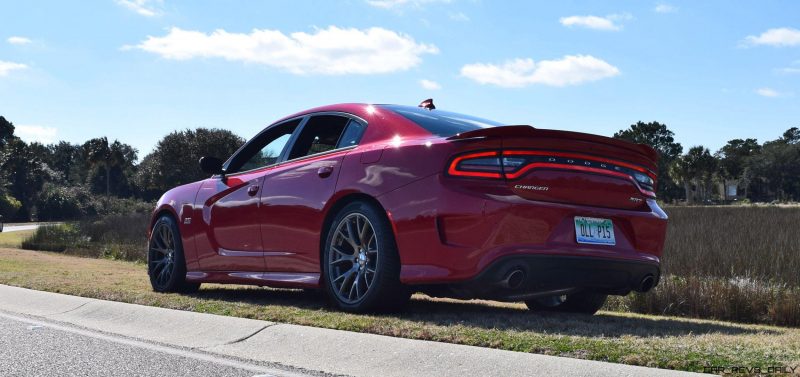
(265, 149)
(323, 133)
(352, 134)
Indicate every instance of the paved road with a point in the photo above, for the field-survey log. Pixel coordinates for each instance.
(32, 347)
(17, 228)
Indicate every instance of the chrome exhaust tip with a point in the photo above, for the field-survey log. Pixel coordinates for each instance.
(647, 283)
(514, 279)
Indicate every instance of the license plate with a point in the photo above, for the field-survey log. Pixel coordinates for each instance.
(594, 231)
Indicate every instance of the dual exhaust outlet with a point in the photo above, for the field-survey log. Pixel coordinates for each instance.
(516, 278)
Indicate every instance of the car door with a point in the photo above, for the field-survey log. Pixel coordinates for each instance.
(295, 193)
(230, 239)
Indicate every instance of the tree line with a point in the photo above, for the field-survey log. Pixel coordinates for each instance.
(67, 180)
(759, 172)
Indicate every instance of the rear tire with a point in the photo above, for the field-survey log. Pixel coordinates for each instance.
(584, 302)
(166, 264)
(360, 261)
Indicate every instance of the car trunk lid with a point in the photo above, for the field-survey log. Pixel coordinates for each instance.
(572, 167)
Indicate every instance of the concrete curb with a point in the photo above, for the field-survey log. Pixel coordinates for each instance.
(309, 348)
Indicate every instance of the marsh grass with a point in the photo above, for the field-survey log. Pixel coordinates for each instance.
(753, 243)
(737, 263)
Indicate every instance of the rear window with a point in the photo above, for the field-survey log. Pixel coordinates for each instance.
(442, 123)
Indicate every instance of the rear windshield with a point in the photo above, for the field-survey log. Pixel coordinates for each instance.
(442, 123)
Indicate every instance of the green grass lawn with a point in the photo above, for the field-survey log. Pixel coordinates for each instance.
(666, 342)
(14, 239)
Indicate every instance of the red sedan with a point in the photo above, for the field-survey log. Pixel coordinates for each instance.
(374, 202)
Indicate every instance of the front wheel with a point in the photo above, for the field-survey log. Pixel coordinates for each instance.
(581, 302)
(166, 264)
(361, 265)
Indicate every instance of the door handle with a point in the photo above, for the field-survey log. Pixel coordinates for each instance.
(252, 190)
(325, 171)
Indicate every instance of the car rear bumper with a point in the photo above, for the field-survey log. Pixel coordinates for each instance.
(522, 277)
(453, 234)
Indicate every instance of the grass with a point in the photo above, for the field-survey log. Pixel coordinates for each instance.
(14, 239)
(656, 341)
(714, 260)
(758, 243)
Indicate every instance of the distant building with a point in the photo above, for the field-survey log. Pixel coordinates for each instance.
(729, 190)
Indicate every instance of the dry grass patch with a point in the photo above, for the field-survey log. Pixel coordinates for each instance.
(14, 239)
(665, 342)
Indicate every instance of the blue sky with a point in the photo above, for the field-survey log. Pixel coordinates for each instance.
(135, 70)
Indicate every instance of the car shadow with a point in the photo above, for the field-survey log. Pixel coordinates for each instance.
(496, 316)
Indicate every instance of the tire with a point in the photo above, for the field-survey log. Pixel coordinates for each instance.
(584, 302)
(166, 264)
(361, 268)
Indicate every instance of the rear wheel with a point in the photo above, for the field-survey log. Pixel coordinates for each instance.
(584, 302)
(361, 265)
(166, 264)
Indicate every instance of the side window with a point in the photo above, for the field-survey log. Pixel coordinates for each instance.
(265, 150)
(320, 134)
(352, 134)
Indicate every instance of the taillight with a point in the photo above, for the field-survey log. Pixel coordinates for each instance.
(480, 164)
(513, 164)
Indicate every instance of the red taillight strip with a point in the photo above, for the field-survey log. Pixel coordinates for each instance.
(453, 171)
(583, 157)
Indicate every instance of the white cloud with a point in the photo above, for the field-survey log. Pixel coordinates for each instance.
(569, 70)
(44, 135)
(6, 67)
(768, 92)
(396, 4)
(331, 51)
(459, 16)
(429, 84)
(17, 40)
(794, 68)
(595, 22)
(665, 8)
(147, 8)
(780, 37)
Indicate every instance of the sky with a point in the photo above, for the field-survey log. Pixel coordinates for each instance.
(136, 70)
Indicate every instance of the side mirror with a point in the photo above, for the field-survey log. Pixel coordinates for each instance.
(211, 165)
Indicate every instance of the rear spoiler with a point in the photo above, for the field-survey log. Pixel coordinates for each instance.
(530, 131)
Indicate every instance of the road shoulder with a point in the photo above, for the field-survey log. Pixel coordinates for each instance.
(301, 347)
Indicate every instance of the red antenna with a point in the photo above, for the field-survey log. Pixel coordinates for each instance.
(428, 104)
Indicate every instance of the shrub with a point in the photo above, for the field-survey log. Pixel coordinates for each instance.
(63, 203)
(125, 229)
(105, 205)
(55, 238)
(76, 203)
(112, 236)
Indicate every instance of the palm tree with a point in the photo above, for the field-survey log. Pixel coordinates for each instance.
(695, 168)
(98, 152)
